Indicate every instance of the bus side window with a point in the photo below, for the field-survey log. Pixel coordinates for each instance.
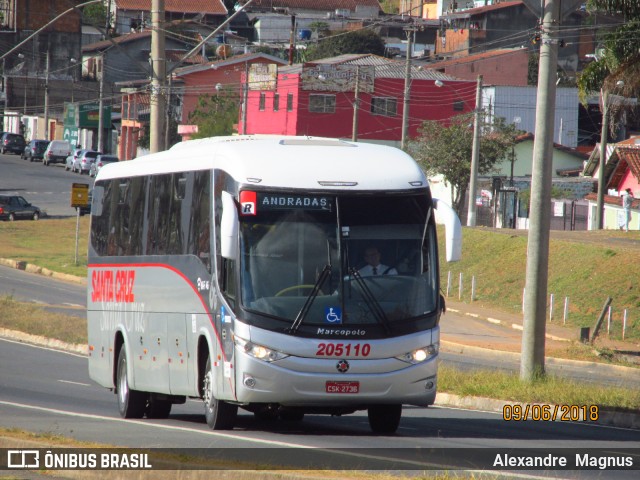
(228, 286)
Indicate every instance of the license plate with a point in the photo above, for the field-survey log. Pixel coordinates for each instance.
(342, 387)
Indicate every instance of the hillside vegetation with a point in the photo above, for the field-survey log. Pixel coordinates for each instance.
(586, 267)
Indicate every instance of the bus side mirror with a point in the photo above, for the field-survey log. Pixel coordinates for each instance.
(453, 230)
(229, 227)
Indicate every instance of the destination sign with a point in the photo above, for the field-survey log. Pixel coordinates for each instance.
(272, 201)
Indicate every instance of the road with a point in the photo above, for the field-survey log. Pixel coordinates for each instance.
(49, 391)
(47, 187)
(70, 299)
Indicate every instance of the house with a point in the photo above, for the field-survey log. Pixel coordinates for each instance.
(517, 105)
(318, 99)
(48, 54)
(367, 9)
(209, 78)
(500, 66)
(622, 171)
(135, 15)
(127, 57)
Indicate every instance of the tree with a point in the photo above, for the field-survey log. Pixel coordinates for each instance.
(215, 115)
(619, 59)
(446, 150)
(359, 41)
(95, 14)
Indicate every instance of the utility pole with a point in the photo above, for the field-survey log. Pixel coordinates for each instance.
(603, 159)
(292, 38)
(158, 73)
(533, 335)
(46, 98)
(101, 107)
(245, 98)
(475, 157)
(356, 105)
(407, 89)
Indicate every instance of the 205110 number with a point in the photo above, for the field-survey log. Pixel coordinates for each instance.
(343, 350)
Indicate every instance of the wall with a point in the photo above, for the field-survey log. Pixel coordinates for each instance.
(428, 102)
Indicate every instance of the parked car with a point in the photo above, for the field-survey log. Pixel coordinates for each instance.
(68, 163)
(57, 152)
(12, 142)
(82, 164)
(34, 150)
(101, 161)
(14, 207)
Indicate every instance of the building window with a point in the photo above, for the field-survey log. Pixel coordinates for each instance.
(322, 103)
(458, 106)
(289, 102)
(384, 106)
(263, 100)
(276, 102)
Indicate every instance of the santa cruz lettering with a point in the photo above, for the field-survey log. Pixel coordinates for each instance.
(112, 286)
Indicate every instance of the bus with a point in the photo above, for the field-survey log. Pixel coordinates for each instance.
(230, 270)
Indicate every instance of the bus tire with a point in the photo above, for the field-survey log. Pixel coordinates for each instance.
(220, 415)
(157, 408)
(384, 418)
(131, 403)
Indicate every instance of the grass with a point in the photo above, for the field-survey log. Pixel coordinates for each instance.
(586, 270)
(547, 390)
(48, 243)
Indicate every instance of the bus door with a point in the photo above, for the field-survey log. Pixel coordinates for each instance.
(223, 357)
(150, 351)
(178, 353)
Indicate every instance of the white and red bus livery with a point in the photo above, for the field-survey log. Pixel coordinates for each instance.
(228, 269)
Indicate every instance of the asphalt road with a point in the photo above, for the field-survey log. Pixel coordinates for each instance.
(49, 391)
(47, 187)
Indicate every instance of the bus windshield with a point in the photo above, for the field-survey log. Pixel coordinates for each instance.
(347, 261)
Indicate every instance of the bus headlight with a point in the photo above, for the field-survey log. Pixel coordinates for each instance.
(420, 355)
(258, 351)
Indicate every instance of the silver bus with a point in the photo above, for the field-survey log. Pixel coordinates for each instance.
(232, 270)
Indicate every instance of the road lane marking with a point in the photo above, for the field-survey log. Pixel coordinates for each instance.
(76, 383)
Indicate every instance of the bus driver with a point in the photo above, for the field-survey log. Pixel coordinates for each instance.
(373, 266)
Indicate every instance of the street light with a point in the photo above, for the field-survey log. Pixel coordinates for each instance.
(475, 153)
(603, 153)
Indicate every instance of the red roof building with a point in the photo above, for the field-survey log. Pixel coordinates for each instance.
(318, 99)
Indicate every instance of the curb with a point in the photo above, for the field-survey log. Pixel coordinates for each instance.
(461, 348)
(31, 268)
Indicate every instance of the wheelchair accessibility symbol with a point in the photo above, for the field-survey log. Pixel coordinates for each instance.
(333, 315)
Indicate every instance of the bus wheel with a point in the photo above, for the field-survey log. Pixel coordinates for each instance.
(157, 408)
(220, 415)
(131, 403)
(384, 418)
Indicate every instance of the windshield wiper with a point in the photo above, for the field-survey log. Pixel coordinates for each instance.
(371, 301)
(326, 271)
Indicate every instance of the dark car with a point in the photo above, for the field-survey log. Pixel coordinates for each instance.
(14, 207)
(101, 161)
(12, 142)
(34, 150)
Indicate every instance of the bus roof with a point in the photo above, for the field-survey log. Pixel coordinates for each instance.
(284, 162)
